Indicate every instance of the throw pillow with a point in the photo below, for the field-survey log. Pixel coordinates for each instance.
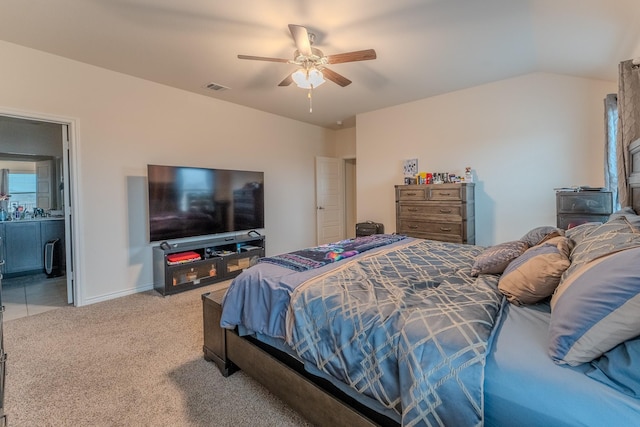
(539, 234)
(536, 274)
(495, 259)
(596, 308)
(629, 214)
(612, 236)
(579, 232)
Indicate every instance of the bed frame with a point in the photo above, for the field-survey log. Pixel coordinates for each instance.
(319, 401)
(316, 399)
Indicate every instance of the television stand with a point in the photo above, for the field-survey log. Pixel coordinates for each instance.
(190, 265)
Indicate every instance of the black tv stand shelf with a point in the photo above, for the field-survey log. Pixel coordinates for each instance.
(203, 262)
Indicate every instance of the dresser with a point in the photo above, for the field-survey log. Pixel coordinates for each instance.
(444, 212)
(577, 207)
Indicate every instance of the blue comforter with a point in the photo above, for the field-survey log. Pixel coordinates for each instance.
(409, 327)
(405, 324)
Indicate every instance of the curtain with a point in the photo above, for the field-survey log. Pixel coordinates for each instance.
(629, 122)
(610, 147)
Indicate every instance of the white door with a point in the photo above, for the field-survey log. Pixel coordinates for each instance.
(44, 184)
(329, 200)
(66, 203)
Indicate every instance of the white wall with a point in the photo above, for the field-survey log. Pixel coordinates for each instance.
(124, 123)
(344, 144)
(523, 137)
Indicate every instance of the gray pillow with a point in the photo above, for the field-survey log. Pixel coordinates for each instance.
(495, 259)
(580, 232)
(540, 234)
(629, 214)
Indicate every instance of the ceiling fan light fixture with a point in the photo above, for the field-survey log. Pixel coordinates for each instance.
(308, 79)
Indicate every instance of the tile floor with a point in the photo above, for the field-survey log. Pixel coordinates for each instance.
(28, 295)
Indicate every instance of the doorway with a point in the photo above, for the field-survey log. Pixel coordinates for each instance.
(335, 199)
(34, 226)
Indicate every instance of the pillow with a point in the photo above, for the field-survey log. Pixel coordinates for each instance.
(622, 212)
(579, 232)
(612, 236)
(539, 234)
(495, 259)
(618, 368)
(629, 214)
(536, 274)
(596, 308)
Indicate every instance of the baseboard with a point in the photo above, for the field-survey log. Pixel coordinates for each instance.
(114, 295)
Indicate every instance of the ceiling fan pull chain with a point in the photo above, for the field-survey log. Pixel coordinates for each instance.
(310, 99)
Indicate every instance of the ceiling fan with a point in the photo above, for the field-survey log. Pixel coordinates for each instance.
(313, 62)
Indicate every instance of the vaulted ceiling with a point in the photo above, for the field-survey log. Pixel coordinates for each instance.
(424, 47)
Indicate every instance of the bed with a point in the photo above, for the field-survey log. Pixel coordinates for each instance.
(391, 330)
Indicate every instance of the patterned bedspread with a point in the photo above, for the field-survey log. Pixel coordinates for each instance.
(318, 256)
(407, 326)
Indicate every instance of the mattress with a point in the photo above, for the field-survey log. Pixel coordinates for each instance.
(524, 387)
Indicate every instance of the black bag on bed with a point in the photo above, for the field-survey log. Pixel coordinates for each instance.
(368, 228)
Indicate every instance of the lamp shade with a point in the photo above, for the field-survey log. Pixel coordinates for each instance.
(307, 79)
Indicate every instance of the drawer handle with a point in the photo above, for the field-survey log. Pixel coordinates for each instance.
(444, 194)
(411, 194)
(445, 228)
(445, 210)
(413, 227)
(412, 209)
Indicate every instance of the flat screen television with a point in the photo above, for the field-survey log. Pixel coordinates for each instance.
(190, 201)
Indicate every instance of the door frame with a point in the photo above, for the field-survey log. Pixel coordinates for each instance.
(71, 217)
(347, 187)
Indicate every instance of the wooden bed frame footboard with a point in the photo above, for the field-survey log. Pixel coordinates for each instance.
(319, 401)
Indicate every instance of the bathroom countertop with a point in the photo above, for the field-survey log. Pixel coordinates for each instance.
(18, 221)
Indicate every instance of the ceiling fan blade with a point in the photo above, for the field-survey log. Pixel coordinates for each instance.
(360, 55)
(262, 58)
(287, 80)
(301, 37)
(335, 77)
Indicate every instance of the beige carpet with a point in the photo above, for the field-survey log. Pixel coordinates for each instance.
(132, 361)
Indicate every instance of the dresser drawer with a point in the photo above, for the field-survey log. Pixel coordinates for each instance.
(566, 221)
(448, 212)
(413, 193)
(584, 202)
(435, 192)
(446, 193)
(451, 228)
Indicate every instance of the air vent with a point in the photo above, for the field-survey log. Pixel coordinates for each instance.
(216, 87)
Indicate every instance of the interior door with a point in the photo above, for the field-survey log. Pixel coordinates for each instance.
(44, 184)
(330, 218)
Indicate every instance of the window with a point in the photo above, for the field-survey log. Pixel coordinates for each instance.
(22, 187)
